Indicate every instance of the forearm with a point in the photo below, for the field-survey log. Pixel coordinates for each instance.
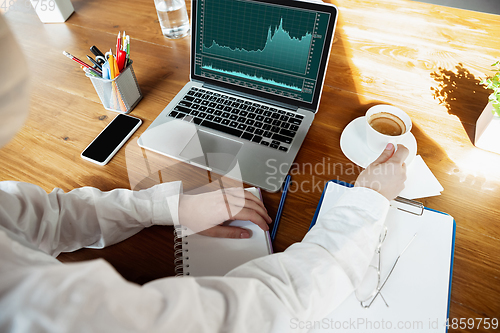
(84, 217)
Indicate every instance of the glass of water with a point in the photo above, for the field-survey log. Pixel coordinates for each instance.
(173, 18)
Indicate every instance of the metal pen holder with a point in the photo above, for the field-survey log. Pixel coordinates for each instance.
(120, 94)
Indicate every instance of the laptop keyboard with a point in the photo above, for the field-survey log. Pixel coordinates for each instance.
(254, 122)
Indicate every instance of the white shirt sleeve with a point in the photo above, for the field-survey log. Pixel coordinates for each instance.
(85, 217)
(306, 282)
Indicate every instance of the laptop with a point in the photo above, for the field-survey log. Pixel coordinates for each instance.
(257, 72)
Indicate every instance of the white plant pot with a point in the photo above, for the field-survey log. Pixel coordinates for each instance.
(488, 130)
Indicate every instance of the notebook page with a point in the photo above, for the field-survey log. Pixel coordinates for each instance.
(209, 256)
(417, 290)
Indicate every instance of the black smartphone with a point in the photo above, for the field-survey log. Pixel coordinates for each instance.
(111, 139)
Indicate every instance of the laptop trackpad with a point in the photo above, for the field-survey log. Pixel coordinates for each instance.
(212, 151)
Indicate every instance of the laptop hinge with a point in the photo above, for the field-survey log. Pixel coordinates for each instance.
(249, 96)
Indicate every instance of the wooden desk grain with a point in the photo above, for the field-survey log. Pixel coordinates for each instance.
(425, 59)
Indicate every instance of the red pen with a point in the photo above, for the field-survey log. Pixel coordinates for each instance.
(118, 43)
(82, 63)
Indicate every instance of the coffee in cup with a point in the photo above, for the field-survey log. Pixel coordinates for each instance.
(387, 124)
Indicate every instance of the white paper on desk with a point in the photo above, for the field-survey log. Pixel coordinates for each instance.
(420, 181)
(417, 291)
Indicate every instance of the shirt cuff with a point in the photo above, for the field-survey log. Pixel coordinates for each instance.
(374, 203)
(166, 203)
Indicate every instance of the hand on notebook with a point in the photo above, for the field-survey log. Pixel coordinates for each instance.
(205, 212)
(387, 173)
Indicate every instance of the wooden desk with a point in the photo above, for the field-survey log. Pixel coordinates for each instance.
(425, 59)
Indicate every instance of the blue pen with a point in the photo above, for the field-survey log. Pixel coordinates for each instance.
(280, 207)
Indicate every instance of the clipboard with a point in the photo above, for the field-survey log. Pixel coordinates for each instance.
(420, 297)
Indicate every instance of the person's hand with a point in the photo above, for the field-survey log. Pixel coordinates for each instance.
(387, 173)
(205, 212)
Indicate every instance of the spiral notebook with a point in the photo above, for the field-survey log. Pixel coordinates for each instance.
(198, 255)
(418, 290)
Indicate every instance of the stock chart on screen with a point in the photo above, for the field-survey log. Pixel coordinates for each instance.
(260, 46)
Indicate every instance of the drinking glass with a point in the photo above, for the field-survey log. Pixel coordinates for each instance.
(173, 17)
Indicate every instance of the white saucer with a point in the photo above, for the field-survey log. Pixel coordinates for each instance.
(354, 146)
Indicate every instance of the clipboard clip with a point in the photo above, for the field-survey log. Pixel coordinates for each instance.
(417, 207)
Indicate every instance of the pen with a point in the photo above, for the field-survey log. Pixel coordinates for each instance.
(81, 62)
(94, 62)
(118, 43)
(98, 54)
(280, 207)
(88, 71)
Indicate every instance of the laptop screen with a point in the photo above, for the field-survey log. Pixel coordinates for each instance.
(273, 49)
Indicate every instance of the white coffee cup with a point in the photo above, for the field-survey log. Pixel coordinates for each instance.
(377, 141)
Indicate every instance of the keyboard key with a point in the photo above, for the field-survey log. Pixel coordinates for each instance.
(233, 117)
(228, 108)
(225, 115)
(202, 114)
(259, 131)
(285, 125)
(285, 149)
(273, 109)
(259, 118)
(268, 134)
(235, 111)
(217, 112)
(251, 115)
(228, 102)
(204, 103)
(299, 116)
(195, 106)
(273, 145)
(197, 120)
(275, 116)
(210, 117)
(242, 127)
(217, 119)
(295, 121)
(198, 94)
(284, 118)
(250, 129)
(264, 107)
(202, 108)
(267, 113)
(232, 98)
(250, 122)
(243, 113)
(287, 132)
(294, 127)
(242, 119)
(252, 108)
(185, 103)
(281, 112)
(235, 104)
(233, 124)
(222, 128)
(276, 122)
(239, 100)
(275, 129)
(173, 114)
(197, 100)
(247, 136)
(282, 138)
(188, 98)
(206, 96)
(258, 124)
(182, 108)
(194, 113)
(268, 120)
(265, 143)
(225, 121)
(243, 106)
(257, 139)
(275, 142)
(190, 92)
(259, 111)
(213, 98)
(210, 110)
(266, 127)
(248, 103)
(212, 105)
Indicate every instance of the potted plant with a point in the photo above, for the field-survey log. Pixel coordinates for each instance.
(488, 124)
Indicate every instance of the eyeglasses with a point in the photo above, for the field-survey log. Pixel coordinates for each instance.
(371, 286)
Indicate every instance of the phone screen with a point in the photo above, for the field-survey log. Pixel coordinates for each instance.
(117, 131)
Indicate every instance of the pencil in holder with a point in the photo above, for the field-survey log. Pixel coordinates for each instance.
(120, 94)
